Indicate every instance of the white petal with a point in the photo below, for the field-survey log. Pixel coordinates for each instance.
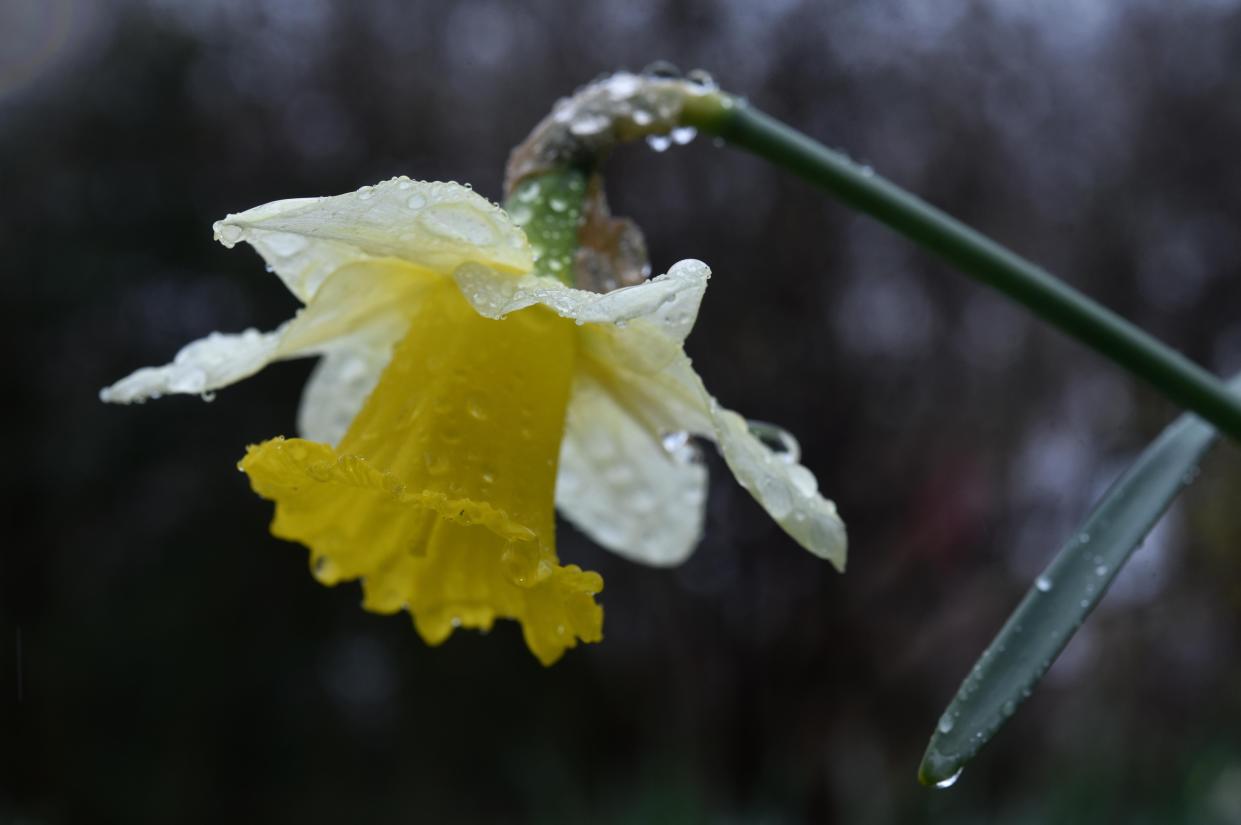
(669, 302)
(663, 390)
(673, 397)
(786, 490)
(200, 367)
(337, 390)
(362, 308)
(618, 485)
(436, 226)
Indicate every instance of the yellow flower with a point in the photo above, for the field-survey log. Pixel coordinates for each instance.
(460, 398)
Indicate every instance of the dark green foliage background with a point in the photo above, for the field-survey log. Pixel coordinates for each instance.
(163, 659)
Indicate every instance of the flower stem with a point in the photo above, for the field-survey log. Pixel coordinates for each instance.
(548, 206)
(1169, 372)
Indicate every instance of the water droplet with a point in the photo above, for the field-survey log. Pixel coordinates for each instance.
(404, 183)
(520, 559)
(662, 68)
(1043, 584)
(228, 233)
(1008, 708)
(673, 442)
(642, 117)
(775, 497)
(589, 124)
(436, 463)
(325, 570)
(455, 621)
(365, 193)
(678, 445)
(659, 143)
(777, 439)
(1101, 570)
(950, 781)
(476, 406)
(946, 723)
(623, 85)
(683, 135)
(1083, 538)
(416, 201)
(701, 77)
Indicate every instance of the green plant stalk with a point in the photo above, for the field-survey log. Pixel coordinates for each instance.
(549, 208)
(1172, 374)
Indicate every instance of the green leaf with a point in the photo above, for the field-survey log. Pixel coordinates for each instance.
(1060, 599)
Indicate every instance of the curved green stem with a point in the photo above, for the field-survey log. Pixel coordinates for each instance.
(1169, 372)
(549, 207)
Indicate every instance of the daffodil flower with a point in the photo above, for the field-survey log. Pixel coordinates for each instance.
(460, 398)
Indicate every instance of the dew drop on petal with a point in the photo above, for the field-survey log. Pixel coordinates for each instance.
(476, 406)
(777, 439)
(803, 480)
(775, 497)
(675, 441)
(228, 233)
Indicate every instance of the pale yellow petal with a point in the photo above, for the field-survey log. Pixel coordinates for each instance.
(434, 226)
(672, 397)
(669, 302)
(621, 487)
(363, 308)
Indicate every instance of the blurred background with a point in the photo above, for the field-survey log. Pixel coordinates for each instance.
(163, 659)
